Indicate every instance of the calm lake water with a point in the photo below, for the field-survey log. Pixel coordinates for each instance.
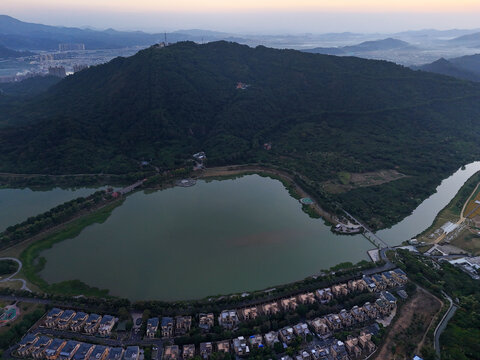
(16, 205)
(218, 237)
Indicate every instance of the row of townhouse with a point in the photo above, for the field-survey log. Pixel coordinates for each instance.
(229, 319)
(387, 279)
(46, 348)
(361, 346)
(179, 326)
(240, 346)
(382, 307)
(352, 349)
(79, 322)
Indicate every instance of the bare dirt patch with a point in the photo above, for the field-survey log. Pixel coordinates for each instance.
(349, 181)
(408, 330)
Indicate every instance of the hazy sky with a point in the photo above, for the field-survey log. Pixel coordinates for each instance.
(268, 16)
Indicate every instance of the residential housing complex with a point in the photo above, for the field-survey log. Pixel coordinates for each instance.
(47, 348)
(69, 320)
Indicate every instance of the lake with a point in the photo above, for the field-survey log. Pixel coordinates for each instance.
(215, 237)
(218, 237)
(16, 205)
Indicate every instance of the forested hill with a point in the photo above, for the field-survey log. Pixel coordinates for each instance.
(322, 114)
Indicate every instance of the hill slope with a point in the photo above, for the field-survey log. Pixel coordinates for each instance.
(364, 47)
(6, 53)
(322, 114)
(465, 67)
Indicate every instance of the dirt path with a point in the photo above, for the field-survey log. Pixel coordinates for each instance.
(420, 345)
(401, 333)
(242, 169)
(462, 218)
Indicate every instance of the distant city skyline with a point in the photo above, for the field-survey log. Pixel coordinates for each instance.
(251, 16)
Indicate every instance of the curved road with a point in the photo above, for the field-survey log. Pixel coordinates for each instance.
(11, 277)
(443, 324)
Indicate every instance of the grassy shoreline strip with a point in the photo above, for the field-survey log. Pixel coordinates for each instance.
(31, 269)
(455, 205)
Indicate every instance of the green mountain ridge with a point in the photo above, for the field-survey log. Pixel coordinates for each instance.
(322, 114)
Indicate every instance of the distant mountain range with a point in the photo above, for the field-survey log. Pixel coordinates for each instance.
(364, 47)
(464, 67)
(472, 40)
(19, 35)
